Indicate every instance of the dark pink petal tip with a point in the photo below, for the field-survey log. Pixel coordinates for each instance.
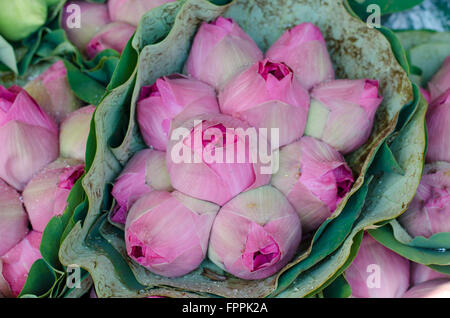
(344, 180)
(150, 91)
(261, 249)
(278, 70)
(70, 176)
(119, 214)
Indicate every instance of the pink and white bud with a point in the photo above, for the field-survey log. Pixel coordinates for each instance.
(113, 36)
(268, 95)
(314, 177)
(13, 218)
(145, 172)
(438, 288)
(28, 135)
(51, 90)
(337, 103)
(221, 50)
(174, 98)
(438, 128)
(440, 81)
(210, 158)
(421, 273)
(429, 211)
(168, 232)
(131, 11)
(377, 272)
(255, 234)
(81, 28)
(46, 194)
(303, 49)
(74, 133)
(19, 259)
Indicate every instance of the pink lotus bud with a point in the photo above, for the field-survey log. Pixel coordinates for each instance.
(74, 133)
(334, 104)
(168, 232)
(145, 172)
(221, 50)
(421, 273)
(17, 262)
(268, 95)
(131, 11)
(377, 272)
(29, 137)
(113, 36)
(438, 119)
(172, 98)
(440, 81)
(80, 29)
(210, 158)
(438, 288)
(314, 178)
(429, 211)
(46, 194)
(255, 234)
(426, 94)
(13, 218)
(305, 51)
(51, 90)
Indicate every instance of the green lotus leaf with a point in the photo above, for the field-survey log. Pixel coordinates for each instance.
(391, 159)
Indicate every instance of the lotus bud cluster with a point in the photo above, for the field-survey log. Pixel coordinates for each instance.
(94, 27)
(256, 140)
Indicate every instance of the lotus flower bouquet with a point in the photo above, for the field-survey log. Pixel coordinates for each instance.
(231, 150)
(229, 141)
(422, 233)
(44, 140)
(104, 25)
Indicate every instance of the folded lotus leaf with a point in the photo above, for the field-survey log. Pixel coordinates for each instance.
(160, 47)
(427, 50)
